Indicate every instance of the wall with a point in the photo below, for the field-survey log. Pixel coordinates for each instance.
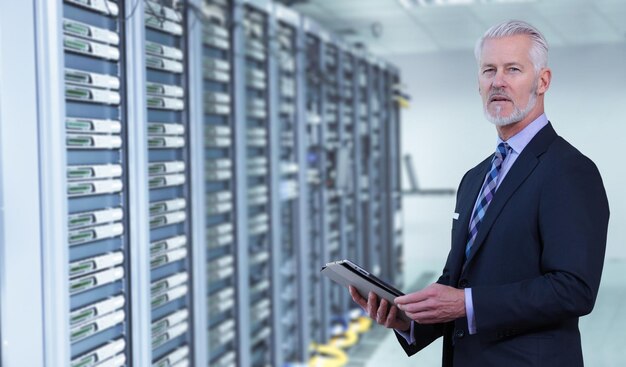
(446, 132)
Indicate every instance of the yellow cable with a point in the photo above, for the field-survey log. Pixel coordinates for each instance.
(345, 339)
(360, 324)
(327, 356)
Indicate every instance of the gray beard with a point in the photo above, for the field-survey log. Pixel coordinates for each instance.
(516, 116)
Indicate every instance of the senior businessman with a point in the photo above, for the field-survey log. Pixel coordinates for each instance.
(529, 241)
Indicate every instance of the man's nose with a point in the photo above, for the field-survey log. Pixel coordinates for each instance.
(498, 80)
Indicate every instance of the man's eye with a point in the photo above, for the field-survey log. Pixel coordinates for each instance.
(488, 71)
(514, 69)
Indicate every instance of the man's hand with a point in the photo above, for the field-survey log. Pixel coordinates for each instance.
(434, 304)
(383, 313)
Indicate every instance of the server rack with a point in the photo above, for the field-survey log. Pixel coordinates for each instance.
(315, 39)
(97, 184)
(348, 164)
(289, 342)
(168, 126)
(392, 189)
(218, 153)
(262, 230)
(220, 182)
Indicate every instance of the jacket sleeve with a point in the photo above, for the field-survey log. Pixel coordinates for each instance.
(572, 220)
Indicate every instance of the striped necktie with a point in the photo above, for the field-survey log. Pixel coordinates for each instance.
(486, 194)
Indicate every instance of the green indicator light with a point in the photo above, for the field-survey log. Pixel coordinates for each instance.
(81, 220)
(76, 45)
(85, 362)
(156, 129)
(153, 88)
(157, 288)
(159, 301)
(157, 208)
(153, 48)
(81, 268)
(79, 173)
(77, 93)
(158, 261)
(154, 102)
(78, 125)
(81, 237)
(156, 222)
(158, 247)
(79, 189)
(156, 168)
(76, 28)
(79, 142)
(82, 316)
(153, 22)
(83, 332)
(154, 62)
(76, 77)
(159, 327)
(159, 341)
(82, 284)
(156, 182)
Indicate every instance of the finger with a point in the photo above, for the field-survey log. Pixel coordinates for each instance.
(381, 314)
(427, 305)
(372, 305)
(411, 298)
(356, 297)
(391, 317)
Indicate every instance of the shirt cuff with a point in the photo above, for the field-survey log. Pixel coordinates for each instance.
(407, 335)
(469, 311)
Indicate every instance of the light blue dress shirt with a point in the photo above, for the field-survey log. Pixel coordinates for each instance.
(517, 143)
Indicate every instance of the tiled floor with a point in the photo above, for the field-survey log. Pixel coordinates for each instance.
(603, 331)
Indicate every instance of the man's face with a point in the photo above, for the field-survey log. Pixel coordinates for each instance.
(507, 79)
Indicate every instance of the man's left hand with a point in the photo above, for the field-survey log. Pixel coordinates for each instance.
(434, 304)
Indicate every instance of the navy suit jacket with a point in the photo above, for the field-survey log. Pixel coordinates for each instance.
(535, 265)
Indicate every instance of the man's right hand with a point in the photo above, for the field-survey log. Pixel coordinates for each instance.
(382, 312)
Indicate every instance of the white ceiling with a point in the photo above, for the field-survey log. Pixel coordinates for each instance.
(456, 27)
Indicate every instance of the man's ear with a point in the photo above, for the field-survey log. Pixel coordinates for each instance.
(545, 77)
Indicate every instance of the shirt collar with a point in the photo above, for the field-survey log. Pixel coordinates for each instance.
(519, 141)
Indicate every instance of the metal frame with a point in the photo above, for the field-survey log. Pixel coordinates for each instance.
(197, 198)
(137, 153)
(357, 163)
(324, 251)
(343, 242)
(302, 233)
(51, 111)
(241, 192)
(275, 173)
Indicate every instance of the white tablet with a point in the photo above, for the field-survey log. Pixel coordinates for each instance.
(347, 273)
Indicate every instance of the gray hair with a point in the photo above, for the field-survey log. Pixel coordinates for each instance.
(538, 50)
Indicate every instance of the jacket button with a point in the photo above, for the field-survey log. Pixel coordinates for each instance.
(463, 283)
(459, 333)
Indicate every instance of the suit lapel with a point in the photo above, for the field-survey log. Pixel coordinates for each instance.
(465, 207)
(521, 169)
